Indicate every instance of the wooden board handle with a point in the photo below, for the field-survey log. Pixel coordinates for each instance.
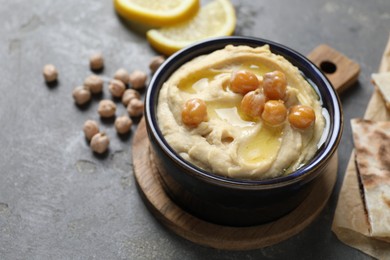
(340, 70)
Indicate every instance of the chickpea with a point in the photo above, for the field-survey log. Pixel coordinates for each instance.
(90, 129)
(135, 107)
(155, 63)
(116, 88)
(50, 73)
(122, 75)
(194, 112)
(94, 83)
(243, 81)
(96, 61)
(274, 85)
(123, 124)
(274, 113)
(137, 79)
(81, 95)
(301, 116)
(100, 143)
(106, 108)
(128, 95)
(252, 104)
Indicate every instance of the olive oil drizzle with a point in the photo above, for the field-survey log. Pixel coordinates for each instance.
(263, 145)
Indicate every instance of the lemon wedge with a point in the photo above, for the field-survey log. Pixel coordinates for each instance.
(157, 12)
(217, 18)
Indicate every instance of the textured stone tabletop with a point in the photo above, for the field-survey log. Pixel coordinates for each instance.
(60, 201)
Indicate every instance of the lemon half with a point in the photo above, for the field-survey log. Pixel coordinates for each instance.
(217, 18)
(157, 12)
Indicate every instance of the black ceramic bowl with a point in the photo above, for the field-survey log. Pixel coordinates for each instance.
(228, 201)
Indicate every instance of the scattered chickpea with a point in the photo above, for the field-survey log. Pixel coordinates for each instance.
(243, 81)
(135, 107)
(274, 85)
(94, 83)
(137, 79)
(96, 61)
(155, 63)
(106, 108)
(100, 143)
(128, 95)
(81, 95)
(117, 88)
(274, 112)
(90, 129)
(50, 73)
(301, 116)
(123, 124)
(194, 112)
(122, 75)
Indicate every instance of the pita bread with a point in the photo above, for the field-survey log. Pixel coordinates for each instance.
(382, 82)
(372, 149)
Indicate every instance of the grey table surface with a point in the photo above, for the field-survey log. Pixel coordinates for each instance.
(60, 201)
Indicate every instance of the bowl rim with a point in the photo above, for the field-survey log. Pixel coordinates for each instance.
(301, 175)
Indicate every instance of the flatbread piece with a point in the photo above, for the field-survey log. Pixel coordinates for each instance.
(372, 150)
(382, 82)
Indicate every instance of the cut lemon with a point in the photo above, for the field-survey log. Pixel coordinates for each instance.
(157, 12)
(217, 18)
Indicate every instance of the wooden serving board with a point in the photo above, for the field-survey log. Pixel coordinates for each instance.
(241, 238)
(339, 69)
(216, 236)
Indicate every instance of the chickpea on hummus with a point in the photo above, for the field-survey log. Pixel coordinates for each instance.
(241, 112)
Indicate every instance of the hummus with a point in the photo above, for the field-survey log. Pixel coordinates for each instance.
(228, 144)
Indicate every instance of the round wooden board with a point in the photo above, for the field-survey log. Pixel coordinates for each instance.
(217, 236)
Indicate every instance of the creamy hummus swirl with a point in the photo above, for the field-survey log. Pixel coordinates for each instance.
(227, 144)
